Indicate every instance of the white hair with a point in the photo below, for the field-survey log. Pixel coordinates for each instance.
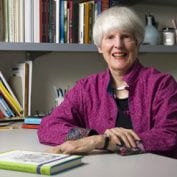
(119, 18)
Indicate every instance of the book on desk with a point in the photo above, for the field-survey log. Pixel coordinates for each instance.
(38, 162)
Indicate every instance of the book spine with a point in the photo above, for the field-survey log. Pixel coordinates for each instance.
(36, 21)
(29, 23)
(4, 110)
(26, 89)
(81, 23)
(104, 5)
(2, 21)
(6, 106)
(6, 14)
(70, 6)
(11, 16)
(86, 22)
(30, 126)
(66, 22)
(29, 120)
(43, 20)
(52, 20)
(30, 65)
(90, 21)
(61, 25)
(21, 21)
(57, 20)
(75, 22)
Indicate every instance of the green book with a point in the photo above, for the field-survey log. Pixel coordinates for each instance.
(38, 162)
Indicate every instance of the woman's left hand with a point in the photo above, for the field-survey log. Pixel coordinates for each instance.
(80, 146)
(120, 136)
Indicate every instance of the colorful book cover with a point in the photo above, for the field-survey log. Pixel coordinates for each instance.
(30, 126)
(11, 101)
(38, 162)
(32, 120)
(6, 107)
(61, 25)
(4, 81)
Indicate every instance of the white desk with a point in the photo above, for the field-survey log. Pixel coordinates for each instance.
(97, 165)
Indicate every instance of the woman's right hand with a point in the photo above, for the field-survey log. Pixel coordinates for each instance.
(122, 136)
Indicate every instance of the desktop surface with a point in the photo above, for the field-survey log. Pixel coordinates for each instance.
(95, 164)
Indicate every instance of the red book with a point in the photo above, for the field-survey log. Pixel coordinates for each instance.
(44, 15)
(104, 5)
(30, 126)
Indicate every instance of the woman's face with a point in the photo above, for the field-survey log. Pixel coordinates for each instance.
(119, 50)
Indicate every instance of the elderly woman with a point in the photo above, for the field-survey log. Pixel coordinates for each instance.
(126, 109)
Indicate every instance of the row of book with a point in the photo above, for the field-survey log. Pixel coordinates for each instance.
(15, 93)
(53, 21)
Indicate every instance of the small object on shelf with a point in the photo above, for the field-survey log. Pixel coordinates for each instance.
(168, 36)
(152, 36)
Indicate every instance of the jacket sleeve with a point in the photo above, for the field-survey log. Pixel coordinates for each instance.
(66, 121)
(162, 137)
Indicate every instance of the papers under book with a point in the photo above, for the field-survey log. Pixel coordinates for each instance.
(38, 162)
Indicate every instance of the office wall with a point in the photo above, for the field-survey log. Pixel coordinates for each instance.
(64, 69)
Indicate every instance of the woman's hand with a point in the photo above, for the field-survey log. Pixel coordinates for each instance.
(80, 146)
(122, 136)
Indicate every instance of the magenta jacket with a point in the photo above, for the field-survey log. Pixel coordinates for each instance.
(90, 106)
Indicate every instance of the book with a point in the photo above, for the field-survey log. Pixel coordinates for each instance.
(36, 20)
(57, 18)
(32, 120)
(30, 126)
(62, 22)
(6, 107)
(52, 21)
(38, 162)
(29, 20)
(21, 83)
(3, 111)
(6, 21)
(2, 21)
(6, 84)
(81, 23)
(73, 21)
(11, 101)
(43, 7)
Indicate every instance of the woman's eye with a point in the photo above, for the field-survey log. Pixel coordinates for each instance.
(110, 37)
(127, 37)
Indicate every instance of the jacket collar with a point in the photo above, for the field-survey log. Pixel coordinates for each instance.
(130, 77)
(132, 74)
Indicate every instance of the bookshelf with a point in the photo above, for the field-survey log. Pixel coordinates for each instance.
(54, 47)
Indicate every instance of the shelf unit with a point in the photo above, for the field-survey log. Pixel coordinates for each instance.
(54, 47)
(34, 50)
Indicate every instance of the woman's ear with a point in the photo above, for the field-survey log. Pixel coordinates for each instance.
(99, 50)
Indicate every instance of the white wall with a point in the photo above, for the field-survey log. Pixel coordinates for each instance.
(64, 69)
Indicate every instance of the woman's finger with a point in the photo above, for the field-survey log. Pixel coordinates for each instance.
(114, 136)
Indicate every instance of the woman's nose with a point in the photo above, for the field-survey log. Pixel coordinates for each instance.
(118, 42)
